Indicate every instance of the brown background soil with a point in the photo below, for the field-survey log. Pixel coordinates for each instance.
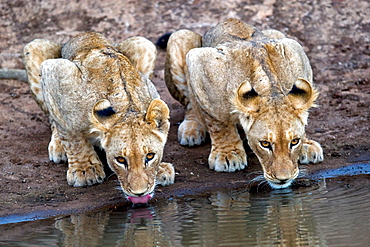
(335, 35)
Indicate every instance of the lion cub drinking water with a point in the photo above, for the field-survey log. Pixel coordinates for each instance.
(100, 94)
(236, 74)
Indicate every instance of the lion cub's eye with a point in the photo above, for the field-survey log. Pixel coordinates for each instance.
(121, 160)
(294, 142)
(149, 157)
(265, 144)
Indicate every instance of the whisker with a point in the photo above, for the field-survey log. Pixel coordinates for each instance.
(110, 176)
(259, 180)
(303, 171)
(303, 179)
(253, 181)
(263, 183)
(118, 187)
(254, 173)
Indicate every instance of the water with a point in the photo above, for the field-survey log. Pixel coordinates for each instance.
(320, 215)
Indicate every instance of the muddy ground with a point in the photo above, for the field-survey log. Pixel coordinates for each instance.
(335, 35)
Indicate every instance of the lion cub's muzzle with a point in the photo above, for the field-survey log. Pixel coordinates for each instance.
(138, 193)
(281, 180)
(139, 197)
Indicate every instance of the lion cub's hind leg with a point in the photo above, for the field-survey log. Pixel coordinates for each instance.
(311, 152)
(141, 52)
(34, 53)
(191, 132)
(165, 174)
(55, 148)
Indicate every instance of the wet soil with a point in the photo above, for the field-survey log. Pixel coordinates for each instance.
(334, 34)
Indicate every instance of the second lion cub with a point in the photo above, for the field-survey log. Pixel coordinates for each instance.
(236, 74)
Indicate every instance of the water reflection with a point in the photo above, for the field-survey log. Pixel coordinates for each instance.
(321, 216)
(132, 227)
(84, 229)
(276, 219)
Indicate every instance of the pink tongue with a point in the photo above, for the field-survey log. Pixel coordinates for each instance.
(140, 199)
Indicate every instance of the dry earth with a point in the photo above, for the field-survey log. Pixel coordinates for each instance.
(334, 33)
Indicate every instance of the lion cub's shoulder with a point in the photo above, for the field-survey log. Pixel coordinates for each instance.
(231, 31)
(271, 61)
(83, 43)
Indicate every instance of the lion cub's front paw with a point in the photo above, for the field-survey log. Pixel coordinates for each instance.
(165, 174)
(56, 150)
(191, 133)
(227, 161)
(311, 152)
(79, 175)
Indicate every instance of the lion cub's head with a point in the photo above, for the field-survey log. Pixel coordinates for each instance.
(275, 128)
(133, 145)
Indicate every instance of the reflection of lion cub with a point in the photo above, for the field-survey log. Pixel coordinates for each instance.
(95, 95)
(237, 74)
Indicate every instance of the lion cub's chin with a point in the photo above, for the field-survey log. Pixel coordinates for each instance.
(280, 186)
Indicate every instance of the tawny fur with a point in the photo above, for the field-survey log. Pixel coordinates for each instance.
(236, 74)
(99, 94)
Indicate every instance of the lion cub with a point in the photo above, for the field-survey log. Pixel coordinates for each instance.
(236, 74)
(100, 94)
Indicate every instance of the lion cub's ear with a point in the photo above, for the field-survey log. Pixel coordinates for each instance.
(302, 95)
(103, 115)
(247, 99)
(158, 115)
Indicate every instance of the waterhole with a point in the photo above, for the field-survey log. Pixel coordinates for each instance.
(335, 211)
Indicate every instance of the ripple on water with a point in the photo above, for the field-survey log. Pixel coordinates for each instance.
(320, 215)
